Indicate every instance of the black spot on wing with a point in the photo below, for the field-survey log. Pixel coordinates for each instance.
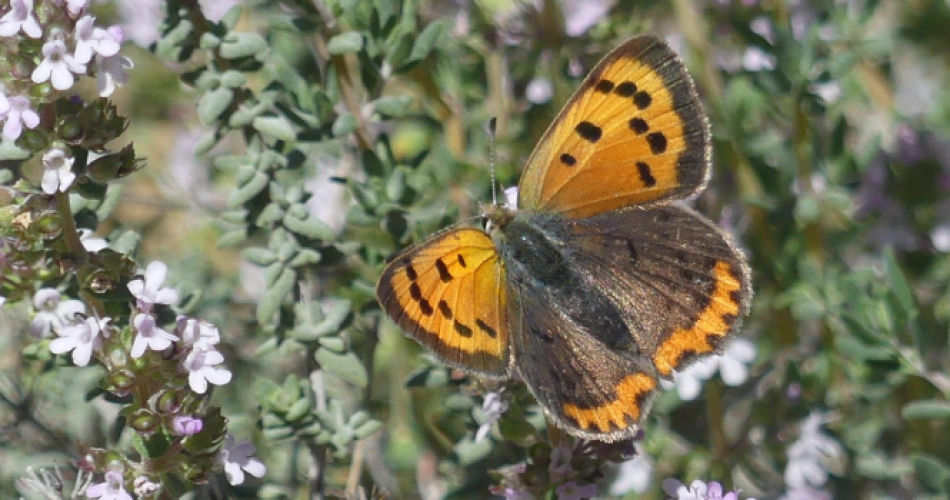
(410, 271)
(463, 330)
(568, 160)
(486, 328)
(642, 100)
(657, 142)
(589, 131)
(604, 86)
(445, 309)
(645, 175)
(425, 307)
(443, 269)
(639, 125)
(626, 89)
(415, 292)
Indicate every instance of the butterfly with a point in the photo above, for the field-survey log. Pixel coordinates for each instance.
(599, 284)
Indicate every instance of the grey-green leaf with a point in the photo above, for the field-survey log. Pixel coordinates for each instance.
(392, 106)
(346, 367)
(927, 409)
(275, 126)
(311, 227)
(426, 42)
(345, 43)
(213, 104)
(238, 45)
(274, 296)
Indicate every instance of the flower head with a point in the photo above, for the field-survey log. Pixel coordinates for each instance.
(90, 241)
(149, 336)
(112, 489)
(197, 334)
(19, 18)
(811, 456)
(149, 291)
(51, 313)
(697, 490)
(111, 69)
(58, 66)
(186, 425)
(92, 40)
(58, 174)
(81, 338)
(731, 365)
(201, 365)
(237, 459)
(539, 91)
(17, 116)
(143, 487)
(492, 407)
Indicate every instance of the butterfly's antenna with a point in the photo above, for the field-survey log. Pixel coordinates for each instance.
(492, 125)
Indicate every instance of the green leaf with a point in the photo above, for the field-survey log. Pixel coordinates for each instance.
(252, 188)
(932, 473)
(344, 124)
(311, 227)
(298, 410)
(899, 286)
(232, 238)
(367, 429)
(213, 104)
(927, 409)
(392, 106)
(345, 43)
(305, 257)
(238, 45)
(206, 141)
(425, 43)
(259, 256)
(335, 344)
(275, 126)
(346, 367)
(274, 296)
(233, 79)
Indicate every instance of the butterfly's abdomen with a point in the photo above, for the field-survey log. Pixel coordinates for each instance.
(538, 263)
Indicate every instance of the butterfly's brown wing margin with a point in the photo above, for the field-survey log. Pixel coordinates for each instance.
(448, 293)
(633, 133)
(682, 283)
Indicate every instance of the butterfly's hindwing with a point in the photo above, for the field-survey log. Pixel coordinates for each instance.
(682, 283)
(589, 388)
(636, 125)
(448, 293)
(572, 344)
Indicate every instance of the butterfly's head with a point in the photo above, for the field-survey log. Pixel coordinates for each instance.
(496, 216)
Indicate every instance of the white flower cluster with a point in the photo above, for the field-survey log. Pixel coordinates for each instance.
(69, 50)
(200, 359)
(84, 335)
